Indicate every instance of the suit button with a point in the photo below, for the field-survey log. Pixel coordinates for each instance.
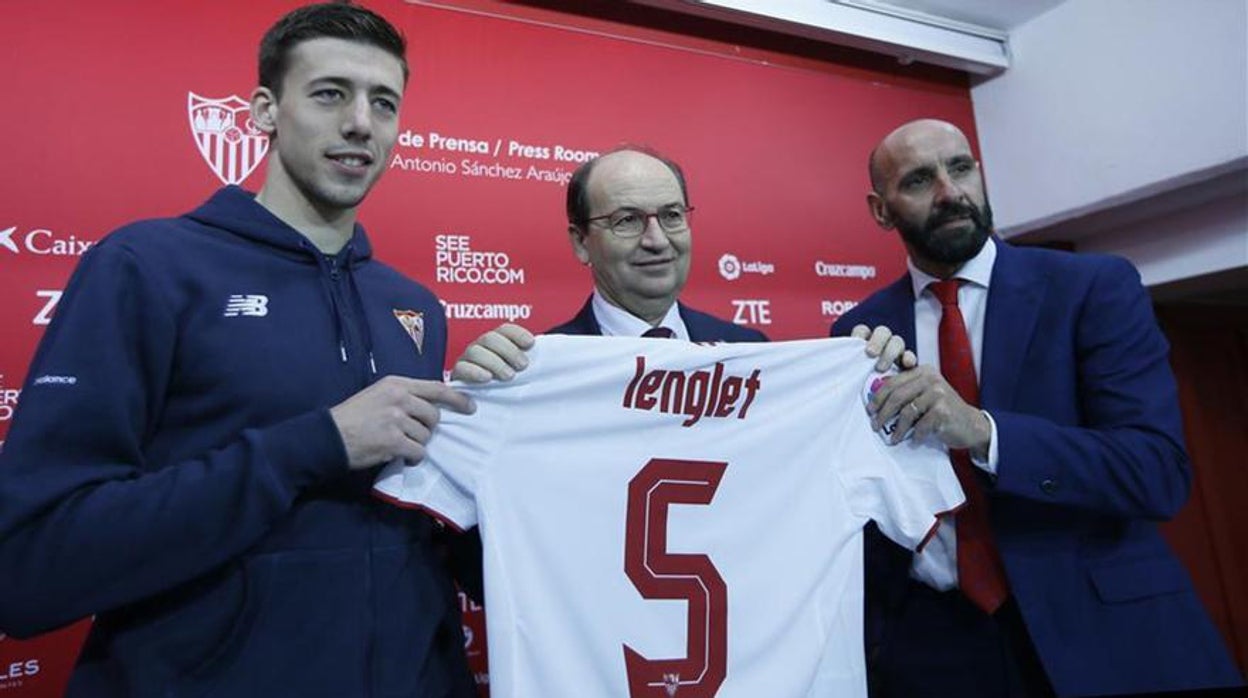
(1048, 486)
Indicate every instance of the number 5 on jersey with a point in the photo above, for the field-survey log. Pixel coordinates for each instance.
(658, 574)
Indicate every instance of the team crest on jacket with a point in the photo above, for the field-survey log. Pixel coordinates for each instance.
(414, 324)
(228, 139)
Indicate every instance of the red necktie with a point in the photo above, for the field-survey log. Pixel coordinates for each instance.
(660, 332)
(981, 575)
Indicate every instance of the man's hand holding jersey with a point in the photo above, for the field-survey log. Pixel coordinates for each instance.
(495, 355)
(393, 418)
(921, 398)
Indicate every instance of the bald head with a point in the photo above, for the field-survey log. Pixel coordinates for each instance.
(927, 186)
(578, 204)
(904, 141)
(644, 273)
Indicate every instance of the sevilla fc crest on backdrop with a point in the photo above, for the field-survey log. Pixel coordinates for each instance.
(226, 136)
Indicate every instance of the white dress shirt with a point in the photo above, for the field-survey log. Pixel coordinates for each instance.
(618, 322)
(937, 565)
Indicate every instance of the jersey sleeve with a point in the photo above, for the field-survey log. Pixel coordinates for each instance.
(429, 488)
(448, 482)
(905, 488)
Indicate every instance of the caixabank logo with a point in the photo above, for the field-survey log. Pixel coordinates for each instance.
(42, 242)
(227, 138)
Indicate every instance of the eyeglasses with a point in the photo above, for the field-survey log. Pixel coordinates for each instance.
(632, 222)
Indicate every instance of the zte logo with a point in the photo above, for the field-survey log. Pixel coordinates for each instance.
(43, 242)
(247, 305)
(752, 312)
(51, 298)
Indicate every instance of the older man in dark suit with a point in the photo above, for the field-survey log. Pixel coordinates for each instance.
(629, 223)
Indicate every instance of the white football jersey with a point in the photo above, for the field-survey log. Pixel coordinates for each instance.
(662, 518)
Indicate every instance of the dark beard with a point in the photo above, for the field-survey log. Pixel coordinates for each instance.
(950, 248)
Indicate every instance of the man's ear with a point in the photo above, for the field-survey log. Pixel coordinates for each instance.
(879, 211)
(264, 110)
(576, 236)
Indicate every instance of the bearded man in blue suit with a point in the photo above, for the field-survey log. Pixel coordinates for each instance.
(1075, 444)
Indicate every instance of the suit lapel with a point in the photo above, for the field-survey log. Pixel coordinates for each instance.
(585, 321)
(698, 331)
(896, 309)
(1010, 321)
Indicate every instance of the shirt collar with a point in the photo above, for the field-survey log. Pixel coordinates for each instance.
(615, 321)
(977, 270)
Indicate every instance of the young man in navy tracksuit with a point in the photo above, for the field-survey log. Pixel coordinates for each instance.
(191, 461)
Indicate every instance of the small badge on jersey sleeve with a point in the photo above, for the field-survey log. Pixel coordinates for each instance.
(413, 323)
(874, 382)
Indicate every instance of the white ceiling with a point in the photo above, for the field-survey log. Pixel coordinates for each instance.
(966, 35)
(1002, 15)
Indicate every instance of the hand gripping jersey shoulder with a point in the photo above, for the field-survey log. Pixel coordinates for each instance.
(663, 518)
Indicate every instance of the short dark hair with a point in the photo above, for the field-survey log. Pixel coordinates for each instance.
(333, 20)
(578, 194)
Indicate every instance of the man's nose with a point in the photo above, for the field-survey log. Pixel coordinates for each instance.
(653, 234)
(357, 120)
(948, 190)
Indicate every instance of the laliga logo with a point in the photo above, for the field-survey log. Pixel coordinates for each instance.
(232, 151)
(731, 268)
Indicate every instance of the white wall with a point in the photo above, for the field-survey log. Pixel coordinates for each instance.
(1204, 239)
(1114, 102)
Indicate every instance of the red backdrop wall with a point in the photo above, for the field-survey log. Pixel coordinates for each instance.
(130, 109)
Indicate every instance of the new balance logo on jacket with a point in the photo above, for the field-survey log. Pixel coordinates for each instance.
(250, 305)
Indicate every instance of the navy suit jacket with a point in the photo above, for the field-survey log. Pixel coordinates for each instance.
(702, 327)
(1074, 372)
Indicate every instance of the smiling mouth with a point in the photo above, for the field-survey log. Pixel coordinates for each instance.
(352, 160)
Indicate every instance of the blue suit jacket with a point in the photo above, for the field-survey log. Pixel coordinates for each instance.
(702, 327)
(1075, 374)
